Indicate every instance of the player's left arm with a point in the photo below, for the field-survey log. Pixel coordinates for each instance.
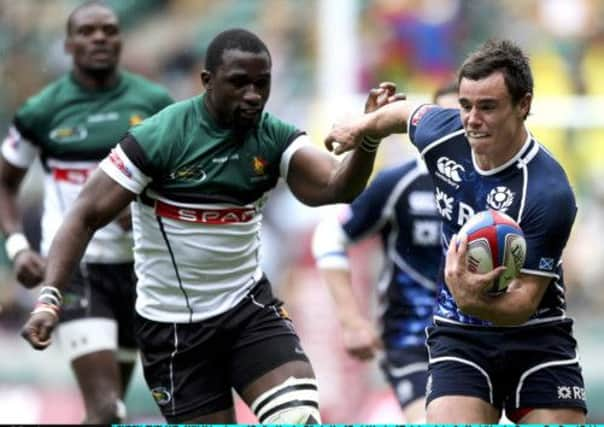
(514, 307)
(318, 178)
(546, 236)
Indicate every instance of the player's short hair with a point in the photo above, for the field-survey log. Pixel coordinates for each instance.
(85, 5)
(235, 38)
(504, 56)
(446, 89)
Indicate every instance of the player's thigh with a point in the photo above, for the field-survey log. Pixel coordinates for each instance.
(461, 410)
(186, 369)
(406, 370)
(547, 372)
(463, 369)
(554, 416)
(114, 295)
(269, 368)
(89, 320)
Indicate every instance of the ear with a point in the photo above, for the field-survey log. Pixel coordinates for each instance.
(206, 79)
(525, 104)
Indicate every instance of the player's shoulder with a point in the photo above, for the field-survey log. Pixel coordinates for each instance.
(143, 84)
(177, 116)
(429, 122)
(548, 188)
(44, 101)
(547, 176)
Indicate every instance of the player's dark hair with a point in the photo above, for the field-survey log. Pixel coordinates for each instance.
(449, 88)
(504, 56)
(85, 5)
(237, 39)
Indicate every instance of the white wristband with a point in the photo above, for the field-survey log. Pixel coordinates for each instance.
(14, 244)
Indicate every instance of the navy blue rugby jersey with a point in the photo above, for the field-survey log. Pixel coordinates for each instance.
(399, 205)
(531, 187)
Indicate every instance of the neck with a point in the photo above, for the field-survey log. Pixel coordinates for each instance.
(96, 80)
(212, 111)
(494, 160)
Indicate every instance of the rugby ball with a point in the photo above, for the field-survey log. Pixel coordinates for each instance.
(495, 239)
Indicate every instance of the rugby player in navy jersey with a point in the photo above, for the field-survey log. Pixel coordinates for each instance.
(199, 172)
(71, 125)
(488, 353)
(399, 207)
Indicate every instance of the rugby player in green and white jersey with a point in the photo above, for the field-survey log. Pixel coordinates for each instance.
(72, 124)
(199, 172)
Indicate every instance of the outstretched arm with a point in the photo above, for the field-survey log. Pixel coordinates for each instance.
(389, 119)
(318, 178)
(100, 201)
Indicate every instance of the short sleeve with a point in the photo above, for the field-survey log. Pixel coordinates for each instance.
(547, 226)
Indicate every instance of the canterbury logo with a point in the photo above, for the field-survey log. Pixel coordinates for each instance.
(450, 169)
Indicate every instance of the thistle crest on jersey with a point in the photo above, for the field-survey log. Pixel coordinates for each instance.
(495, 239)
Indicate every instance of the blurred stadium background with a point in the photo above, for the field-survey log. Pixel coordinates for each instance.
(326, 55)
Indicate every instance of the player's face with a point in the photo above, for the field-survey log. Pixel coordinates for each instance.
(494, 126)
(94, 41)
(238, 91)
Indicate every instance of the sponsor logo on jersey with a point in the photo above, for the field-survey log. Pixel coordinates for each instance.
(420, 113)
(225, 159)
(422, 203)
(259, 165)
(449, 171)
(69, 134)
(426, 232)
(205, 216)
(103, 117)
(444, 204)
(114, 157)
(135, 119)
(189, 173)
(161, 395)
(500, 198)
(73, 176)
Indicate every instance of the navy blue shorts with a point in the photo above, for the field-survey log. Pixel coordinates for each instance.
(532, 366)
(406, 370)
(190, 368)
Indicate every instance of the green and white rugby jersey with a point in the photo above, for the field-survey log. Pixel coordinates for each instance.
(72, 129)
(197, 219)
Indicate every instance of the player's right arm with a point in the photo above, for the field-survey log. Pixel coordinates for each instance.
(17, 155)
(389, 119)
(99, 202)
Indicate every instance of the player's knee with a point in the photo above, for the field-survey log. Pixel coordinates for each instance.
(107, 412)
(295, 401)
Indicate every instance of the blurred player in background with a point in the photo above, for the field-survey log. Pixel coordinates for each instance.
(512, 351)
(71, 125)
(207, 320)
(399, 207)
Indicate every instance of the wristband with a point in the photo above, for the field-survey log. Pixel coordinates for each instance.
(14, 244)
(369, 144)
(46, 308)
(49, 301)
